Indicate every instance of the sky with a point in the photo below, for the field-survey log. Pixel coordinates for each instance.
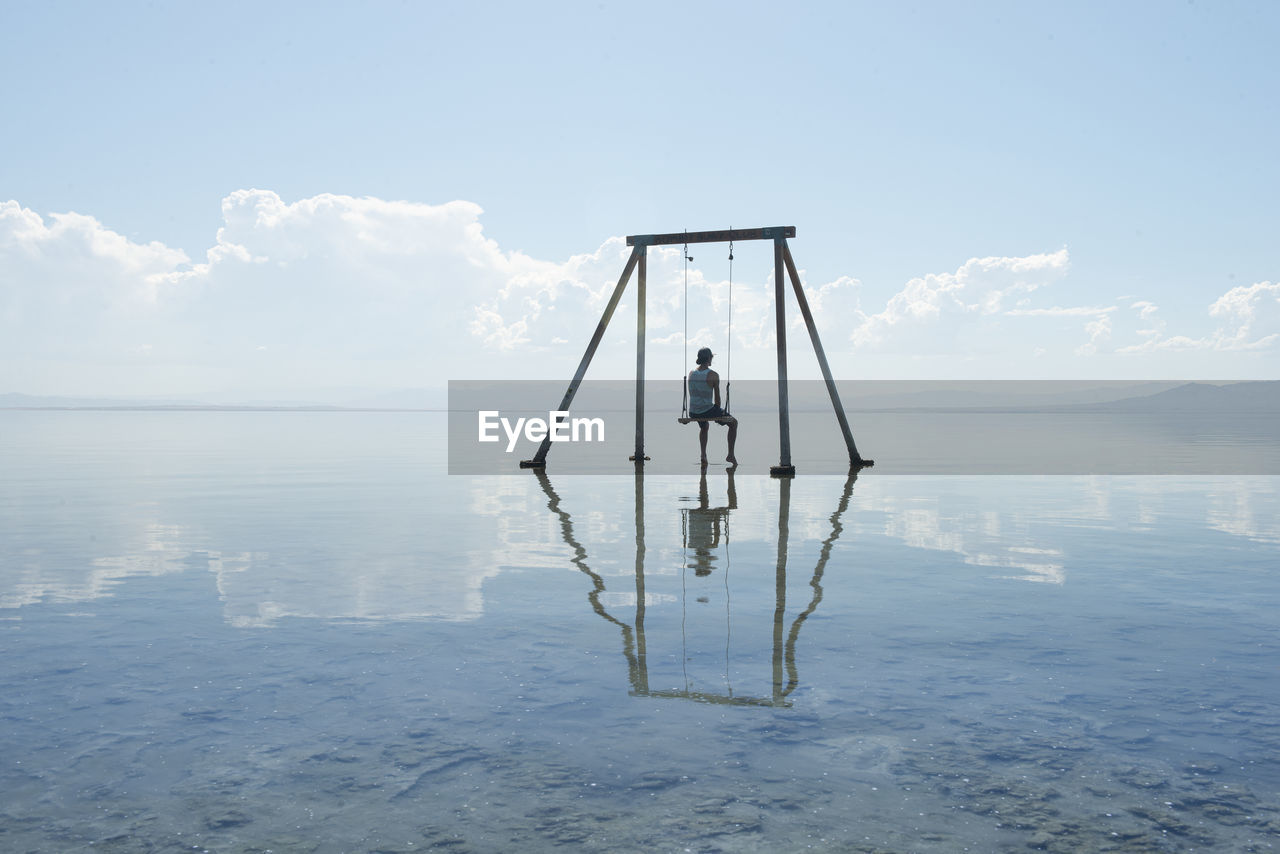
(311, 201)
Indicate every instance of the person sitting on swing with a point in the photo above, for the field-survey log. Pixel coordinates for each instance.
(704, 402)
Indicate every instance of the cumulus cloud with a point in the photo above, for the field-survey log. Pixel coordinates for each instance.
(329, 290)
(326, 291)
(1099, 332)
(538, 303)
(357, 278)
(70, 287)
(832, 305)
(1061, 311)
(337, 290)
(1152, 328)
(1247, 316)
(940, 312)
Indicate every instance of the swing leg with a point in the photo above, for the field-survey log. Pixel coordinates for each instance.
(540, 458)
(784, 468)
(638, 457)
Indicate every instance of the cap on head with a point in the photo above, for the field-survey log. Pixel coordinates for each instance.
(704, 355)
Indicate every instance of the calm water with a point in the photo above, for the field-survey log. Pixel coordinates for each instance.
(295, 632)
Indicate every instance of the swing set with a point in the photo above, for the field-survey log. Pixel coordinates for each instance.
(784, 267)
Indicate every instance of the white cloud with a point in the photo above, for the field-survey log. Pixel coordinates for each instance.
(1248, 318)
(1060, 311)
(1099, 332)
(942, 312)
(1247, 314)
(325, 291)
(491, 328)
(70, 287)
(333, 281)
(701, 337)
(1153, 333)
(832, 305)
(342, 291)
(337, 290)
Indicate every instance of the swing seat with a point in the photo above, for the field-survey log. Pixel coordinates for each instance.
(719, 419)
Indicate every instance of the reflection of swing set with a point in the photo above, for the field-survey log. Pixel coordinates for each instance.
(783, 265)
(785, 674)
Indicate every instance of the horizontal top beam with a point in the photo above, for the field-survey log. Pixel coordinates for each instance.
(681, 237)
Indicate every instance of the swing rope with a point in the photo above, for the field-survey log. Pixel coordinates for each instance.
(728, 370)
(684, 402)
(728, 358)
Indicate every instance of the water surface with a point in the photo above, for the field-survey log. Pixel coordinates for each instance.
(294, 632)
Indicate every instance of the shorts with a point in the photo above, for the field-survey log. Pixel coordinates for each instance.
(713, 412)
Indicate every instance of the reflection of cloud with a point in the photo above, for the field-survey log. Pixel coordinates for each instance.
(624, 599)
(998, 532)
(1040, 564)
(982, 538)
(1235, 509)
(1240, 506)
(34, 582)
(266, 589)
(1017, 527)
(261, 588)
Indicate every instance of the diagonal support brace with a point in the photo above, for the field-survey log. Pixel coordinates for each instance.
(854, 457)
(540, 458)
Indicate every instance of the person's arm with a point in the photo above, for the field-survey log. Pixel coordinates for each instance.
(713, 380)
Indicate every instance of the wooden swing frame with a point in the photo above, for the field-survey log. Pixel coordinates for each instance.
(784, 267)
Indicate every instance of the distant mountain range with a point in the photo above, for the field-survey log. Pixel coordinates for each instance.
(758, 395)
(1019, 396)
(1114, 396)
(1259, 396)
(415, 399)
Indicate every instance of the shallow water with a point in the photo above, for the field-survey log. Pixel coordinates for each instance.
(294, 632)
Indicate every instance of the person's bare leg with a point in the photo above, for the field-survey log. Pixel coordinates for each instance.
(703, 430)
(733, 440)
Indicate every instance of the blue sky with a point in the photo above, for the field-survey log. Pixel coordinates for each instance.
(928, 156)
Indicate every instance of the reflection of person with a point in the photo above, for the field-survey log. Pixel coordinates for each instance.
(707, 525)
(704, 402)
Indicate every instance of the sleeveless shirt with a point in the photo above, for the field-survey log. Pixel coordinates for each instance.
(701, 397)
